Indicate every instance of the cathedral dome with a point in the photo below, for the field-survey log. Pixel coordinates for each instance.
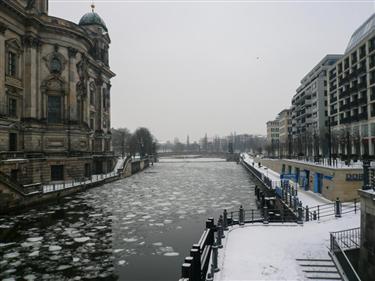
(92, 18)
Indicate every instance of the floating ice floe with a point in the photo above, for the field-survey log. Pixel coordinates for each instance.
(34, 254)
(171, 254)
(63, 267)
(34, 239)
(167, 221)
(11, 255)
(54, 248)
(75, 259)
(117, 250)
(29, 277)
(130, 239)
(81, 239)
(122, 262)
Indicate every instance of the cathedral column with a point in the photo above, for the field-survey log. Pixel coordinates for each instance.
(73, 114)
(31, 76)
(2, 65)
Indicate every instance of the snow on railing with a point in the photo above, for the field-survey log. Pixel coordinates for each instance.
(76, 183)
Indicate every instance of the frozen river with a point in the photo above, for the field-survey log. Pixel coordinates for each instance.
(138, 228)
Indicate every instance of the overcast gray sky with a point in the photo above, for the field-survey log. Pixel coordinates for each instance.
(195, 68)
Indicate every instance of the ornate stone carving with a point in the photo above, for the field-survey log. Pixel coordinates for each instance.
(30, 4)
(30, 41)
(55, 62)
(72, 52)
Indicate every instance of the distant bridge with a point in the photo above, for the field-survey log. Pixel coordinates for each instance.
(202, 154)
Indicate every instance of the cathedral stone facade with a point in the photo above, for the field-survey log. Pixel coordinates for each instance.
(55, 94)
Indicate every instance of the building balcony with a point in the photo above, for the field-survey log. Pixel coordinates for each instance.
(345, 106)
(362, 100)
(334, 99)
(362, 116)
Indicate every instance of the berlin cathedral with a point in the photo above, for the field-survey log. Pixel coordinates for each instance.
(55, 94)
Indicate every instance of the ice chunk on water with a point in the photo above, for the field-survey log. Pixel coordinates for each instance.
(122, 262)
(130, 239)
(63, 267)
(11, 255)
(81, 239)
(34, 239)
(54, 248)
(171, 254)
(157, 244)
(117, 250)
(29, 277)
(34, 254)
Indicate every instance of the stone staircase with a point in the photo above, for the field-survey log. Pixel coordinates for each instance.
(319, 269)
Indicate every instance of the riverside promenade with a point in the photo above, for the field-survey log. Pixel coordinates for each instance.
(283, 250)
(308, 198)
(15, 196)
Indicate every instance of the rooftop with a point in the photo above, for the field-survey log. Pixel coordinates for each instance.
(366, 28)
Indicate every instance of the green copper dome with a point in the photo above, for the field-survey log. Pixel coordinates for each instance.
(92, 18)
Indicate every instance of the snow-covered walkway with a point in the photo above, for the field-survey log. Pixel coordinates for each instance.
(308, 198)
(269, 252)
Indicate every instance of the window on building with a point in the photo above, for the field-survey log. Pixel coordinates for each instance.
(57, 172)
(92, 96)
(12, 107)
(12, 64)
(373, 129)
(14, 175)
(87, 170)
(54, 109)
(92, 123)
(12, 142)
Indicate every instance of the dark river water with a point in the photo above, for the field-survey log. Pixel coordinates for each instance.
(138, 228)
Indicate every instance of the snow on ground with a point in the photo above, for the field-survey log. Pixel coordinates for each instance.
(308, 198)
(272, 175)
(269, 252)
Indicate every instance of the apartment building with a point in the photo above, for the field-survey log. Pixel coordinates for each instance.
(352, 96)
(310, 111)
(273, 137)
(285, 132)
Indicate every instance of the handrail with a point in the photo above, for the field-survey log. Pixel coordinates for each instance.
(337, 250)
(12, 184)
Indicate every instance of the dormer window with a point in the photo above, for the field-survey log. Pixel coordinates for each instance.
(12, 64)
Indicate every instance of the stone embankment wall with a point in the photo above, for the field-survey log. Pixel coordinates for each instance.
(12, 199)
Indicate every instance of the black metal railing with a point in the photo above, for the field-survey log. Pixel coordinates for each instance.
(196, 266)
(340, 241)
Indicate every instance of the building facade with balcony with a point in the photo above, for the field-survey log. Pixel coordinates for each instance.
(310, 111)
(273, 138)
(285, 132)
(54, 94)
(352, 95)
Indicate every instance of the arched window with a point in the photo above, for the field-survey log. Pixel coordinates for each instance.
(54, 100)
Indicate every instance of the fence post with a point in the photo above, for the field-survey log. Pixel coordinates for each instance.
(290, 200)
(318, 213)
(231, 218)
(186, 270)
(225, 215)
(355, 205)
(196, 263)
(214, 257)
(307, 215)
(265, 215)
(338, 208)
(241, 216)
(300, 214)
(220, 225)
